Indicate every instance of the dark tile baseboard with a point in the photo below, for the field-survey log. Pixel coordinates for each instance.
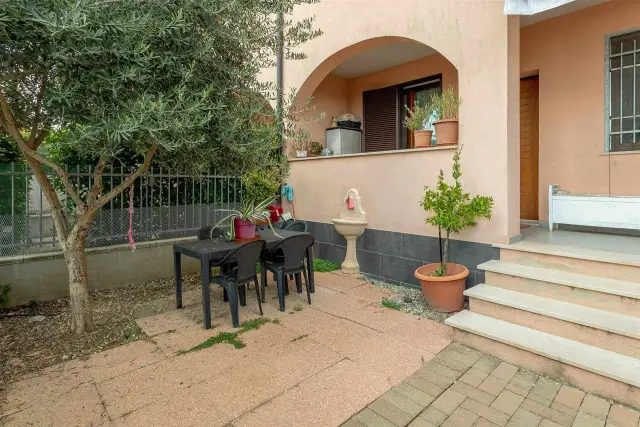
(393, 257)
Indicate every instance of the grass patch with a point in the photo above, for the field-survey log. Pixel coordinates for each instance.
(389, 303)
(298, 306)
(324, 266)
(299, 338)
(232, 338)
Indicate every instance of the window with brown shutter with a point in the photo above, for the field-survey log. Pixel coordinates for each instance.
(380, 108)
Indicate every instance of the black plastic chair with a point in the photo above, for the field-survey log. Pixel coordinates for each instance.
(233, 280)
(287, 257)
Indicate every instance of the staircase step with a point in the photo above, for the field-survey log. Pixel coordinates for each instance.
(622, 368)
(615, 323)
(576, 280)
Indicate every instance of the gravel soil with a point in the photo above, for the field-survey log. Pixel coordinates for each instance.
(36, 336)
(411, 301)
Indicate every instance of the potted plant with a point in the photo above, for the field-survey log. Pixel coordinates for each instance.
(243, 221)
(264, 183)
(316, 148)
(452, 209)
(419, 121)
(445, 106)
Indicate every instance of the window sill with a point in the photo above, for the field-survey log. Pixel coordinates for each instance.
(375, 153)
(619, 153)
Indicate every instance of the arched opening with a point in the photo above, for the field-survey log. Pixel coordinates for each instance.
(373, 82)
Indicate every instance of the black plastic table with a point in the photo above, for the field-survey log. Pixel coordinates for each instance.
(207, 250)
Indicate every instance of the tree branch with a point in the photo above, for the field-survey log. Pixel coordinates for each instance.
(127, 181)
(97, 187)
(13, 130)
(36, 117)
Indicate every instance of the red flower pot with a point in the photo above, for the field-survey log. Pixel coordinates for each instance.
(275, 213)
(244, 229)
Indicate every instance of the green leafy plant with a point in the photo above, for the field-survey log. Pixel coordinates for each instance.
(419, 118)
(316, 148)
(232, 338)
(250, 211)
(324, 266)
(453, 209)
(389, 303)
(4, 294)
(446, 104)
(298, 306)
(261, 184)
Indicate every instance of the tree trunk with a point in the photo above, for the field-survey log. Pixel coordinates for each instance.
(445, 255)
(79, 304)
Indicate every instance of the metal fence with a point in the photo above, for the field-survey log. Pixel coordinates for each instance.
(165, 205)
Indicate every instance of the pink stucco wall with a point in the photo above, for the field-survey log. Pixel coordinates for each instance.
(568, 53)
(474, 37)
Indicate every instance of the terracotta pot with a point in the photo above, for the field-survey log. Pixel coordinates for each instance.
(446, 132)
(422, 138)
(244, 229)
(445, 294)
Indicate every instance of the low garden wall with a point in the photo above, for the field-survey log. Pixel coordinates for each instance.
(44, 276)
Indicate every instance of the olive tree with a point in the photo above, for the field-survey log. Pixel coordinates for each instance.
(174, 80)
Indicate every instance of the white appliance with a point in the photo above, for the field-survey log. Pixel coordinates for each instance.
(344, 141)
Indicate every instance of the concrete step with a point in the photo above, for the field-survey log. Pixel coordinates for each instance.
(600, 328)
(601, 263)
(618, 296)
(591, 368)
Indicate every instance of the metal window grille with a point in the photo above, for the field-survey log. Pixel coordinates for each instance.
(166, 205)
(623, 63)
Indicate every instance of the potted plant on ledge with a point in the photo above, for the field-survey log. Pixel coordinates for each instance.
(453, 210)
(445, 106)
(243, 221)
(419, 121)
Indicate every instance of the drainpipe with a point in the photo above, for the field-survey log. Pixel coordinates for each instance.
(279, 79)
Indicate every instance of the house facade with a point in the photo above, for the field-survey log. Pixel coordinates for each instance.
(548, 98)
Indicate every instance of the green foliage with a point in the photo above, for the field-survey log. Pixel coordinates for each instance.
(231, 337)
(453, 209)
(261, 184)
(446, 104)
(324, 266)
(4, 294)
(419, 117)
(298, 306)
(250, 211)
(316, 148)
(389, 303)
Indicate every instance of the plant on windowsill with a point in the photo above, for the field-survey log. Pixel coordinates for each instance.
(453, 210)
(445, 106)
(243, 221)
(316, 149)
(419, 121)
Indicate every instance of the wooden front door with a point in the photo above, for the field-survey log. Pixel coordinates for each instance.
(529, 148)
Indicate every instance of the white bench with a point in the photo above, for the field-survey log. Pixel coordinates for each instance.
(593, 210)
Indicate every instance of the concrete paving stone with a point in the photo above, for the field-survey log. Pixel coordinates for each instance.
(125, 358)
(338, 282)
(595, 406)
(423, 333)
(368, 293)
(451, 363)
(570, 396)
(414, 394)
(484, 423)
(485, 412)
(543, 400)
(548, 413)
(424, 385)
(524, 418)
(471, 379)
(493, 385)
(487, 364)
(170, 343)
(546, 388)
(391, 412)
(309, 321)
(459, 348)
(448, 401)
(507, 402)
(586, 420)
(344, 387)
(421, 422)
(505, 371)
(517, 390)
(434, 416)
(474, 393)
(354, 423)
(164, 322)
(442, 370)
(524, 380)
(461, 418)
(548, 423)
(467, 358)
(371, 419)
(564, 409)
(407, 405)
(622, 416)
(428, 373)
(338, 305)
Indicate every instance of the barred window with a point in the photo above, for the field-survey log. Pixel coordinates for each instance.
(624, 92)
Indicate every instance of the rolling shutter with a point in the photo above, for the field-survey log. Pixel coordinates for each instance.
(380, 119)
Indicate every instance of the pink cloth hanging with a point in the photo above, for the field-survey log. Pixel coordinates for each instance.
(132, 243)
(351, 204)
